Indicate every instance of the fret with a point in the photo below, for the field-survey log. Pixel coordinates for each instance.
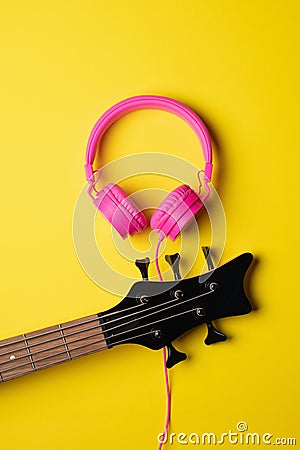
(47, 347)
(28, 351)
(64, 340)
(84, 338)
(14, 358)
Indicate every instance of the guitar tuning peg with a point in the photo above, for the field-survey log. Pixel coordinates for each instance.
(173, 260)
(143, 265)
(213, 335)
(206, 252)
(174, 356)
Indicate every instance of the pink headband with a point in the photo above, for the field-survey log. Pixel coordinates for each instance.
(147, 102)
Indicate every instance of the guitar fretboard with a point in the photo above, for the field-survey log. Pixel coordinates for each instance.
(44, 348)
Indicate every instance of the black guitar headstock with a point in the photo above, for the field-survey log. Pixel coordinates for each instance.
(154, 314)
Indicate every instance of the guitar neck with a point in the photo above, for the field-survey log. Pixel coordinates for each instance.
(44, 348)
(151, 315)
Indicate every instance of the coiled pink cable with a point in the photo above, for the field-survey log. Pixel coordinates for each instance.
(168, 392)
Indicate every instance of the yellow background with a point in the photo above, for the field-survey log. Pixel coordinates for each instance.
(63, 64)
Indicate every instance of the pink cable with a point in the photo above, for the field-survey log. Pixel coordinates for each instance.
(168, 392)
(161, 238)
(168, 399)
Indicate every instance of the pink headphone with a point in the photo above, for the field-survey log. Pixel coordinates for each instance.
(176, 210)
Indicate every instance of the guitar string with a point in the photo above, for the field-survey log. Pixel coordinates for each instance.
(78, 324)
(103, 316)
(28, 338)
(69, 326)
(107, 330)
(96, 342)
(95, 334)
(51, 365)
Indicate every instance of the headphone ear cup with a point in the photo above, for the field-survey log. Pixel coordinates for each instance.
(175, 211)
(120, 211)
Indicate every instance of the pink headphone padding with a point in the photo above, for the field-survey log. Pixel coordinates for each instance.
(167, 206)
(175, 211)
(119, 210)
(148, 102)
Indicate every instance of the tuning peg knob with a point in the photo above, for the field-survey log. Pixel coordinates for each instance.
(173, 260)
(206, 252)
(142, 265)
(213, 335)
(174, 356)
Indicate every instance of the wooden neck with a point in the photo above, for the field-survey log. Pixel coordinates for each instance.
(37, 350)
